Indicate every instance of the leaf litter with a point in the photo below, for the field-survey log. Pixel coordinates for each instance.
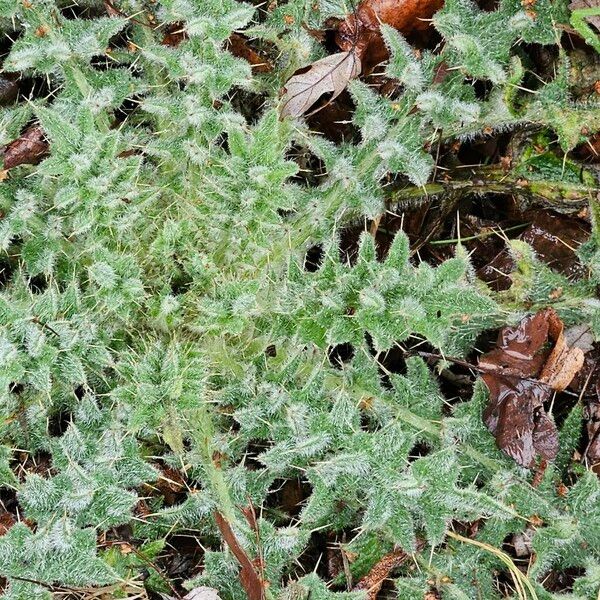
(330, 74)
(28, 149)
(359, 37)
(530, 362)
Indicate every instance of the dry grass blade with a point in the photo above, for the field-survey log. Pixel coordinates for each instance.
(328, 75)
(523, 586)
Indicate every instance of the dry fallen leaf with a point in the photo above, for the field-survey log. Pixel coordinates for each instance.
(520, 373)
(359, 37)
(566, 359)
(328, 75)
(7, 520)
(198, 593)
(203, 593)
(28, 149)
(175, 34)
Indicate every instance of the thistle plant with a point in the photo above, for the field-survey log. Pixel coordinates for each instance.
(158, 312)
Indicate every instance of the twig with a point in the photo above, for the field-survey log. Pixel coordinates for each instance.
(494, 180)
(482, 235)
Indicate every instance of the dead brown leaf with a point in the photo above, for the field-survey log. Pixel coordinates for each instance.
(239, 46)
(252, 583)
(328, 75)
(577, 4)
(521, 373)
(374, 579)
(175, 34)
(359, 37)
(360, 31)
(7, 520)
(592, 416)
(28, 149)
(111, 10)
(566, 358)
(9, 90)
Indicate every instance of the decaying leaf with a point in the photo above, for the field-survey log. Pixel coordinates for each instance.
(592, 415)
(198, 593)
(239, 46)
(567, 355)
(28, 149)
(359, 37)
(521, 373)
(203, 593)
(7, 520)
(328, 75)
(175, 34)
(252, 583)
(9, 90)
(578, 4)
(373, 580)
(360, 31)
(587, 387)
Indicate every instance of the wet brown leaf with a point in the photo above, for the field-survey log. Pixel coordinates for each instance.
(239, 46)
(360, 31)
(328, 75)
(521, 373)
(587, 386)
(555, 239)
(9, 90)
(7, 520)
(28, 149)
